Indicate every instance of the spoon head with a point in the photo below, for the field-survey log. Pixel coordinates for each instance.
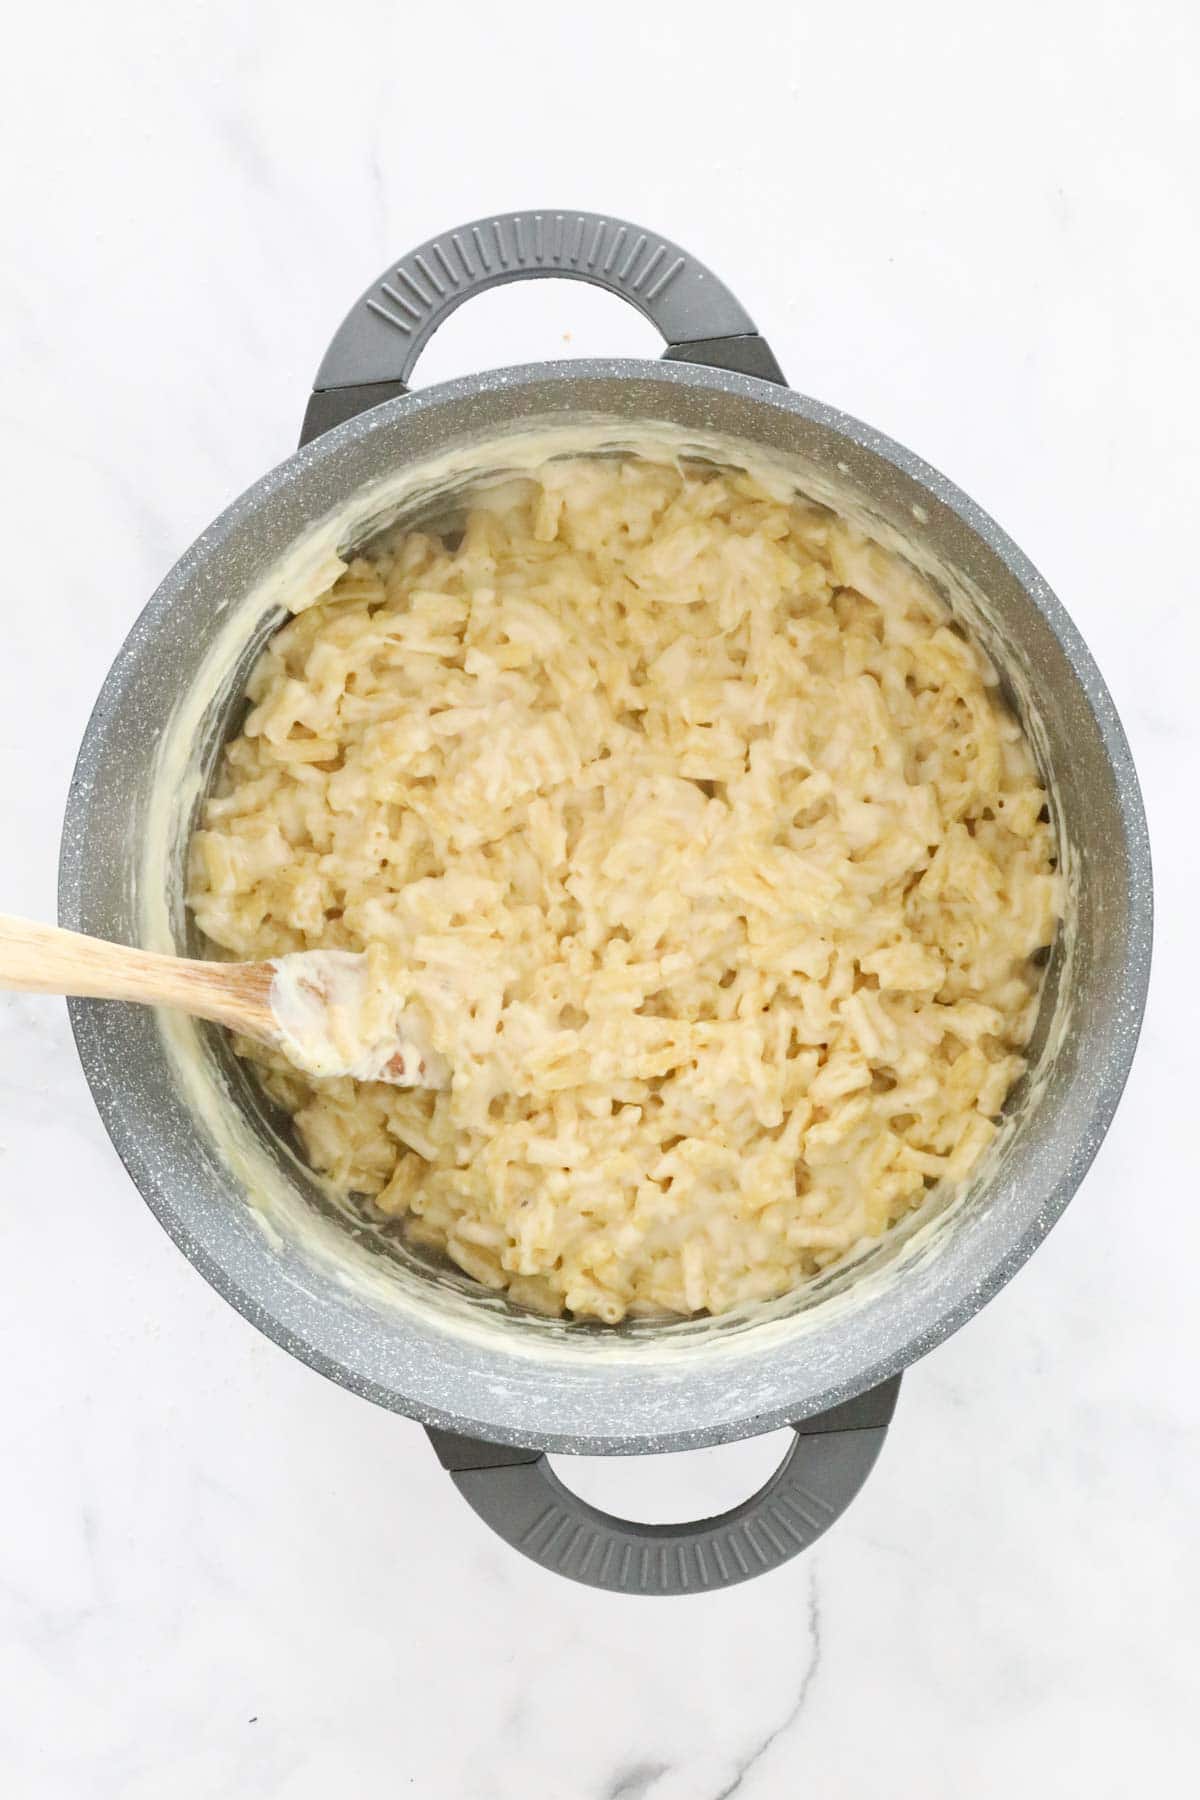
(332, 1019)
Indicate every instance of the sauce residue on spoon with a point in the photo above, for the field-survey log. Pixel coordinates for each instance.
(333, 1021)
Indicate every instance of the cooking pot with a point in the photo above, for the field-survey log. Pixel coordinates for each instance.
(499, 1388)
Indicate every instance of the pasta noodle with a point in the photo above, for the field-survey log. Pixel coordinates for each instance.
(702, 840)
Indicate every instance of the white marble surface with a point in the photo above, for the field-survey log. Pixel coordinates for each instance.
(975, 227)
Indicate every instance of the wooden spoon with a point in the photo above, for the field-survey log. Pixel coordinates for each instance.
(314, 1005)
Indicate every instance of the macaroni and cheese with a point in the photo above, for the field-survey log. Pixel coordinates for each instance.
(701, 840)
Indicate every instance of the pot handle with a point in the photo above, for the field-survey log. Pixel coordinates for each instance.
(520, 1496)
(375, 350)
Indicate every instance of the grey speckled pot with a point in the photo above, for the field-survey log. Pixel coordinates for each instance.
(499, 1389)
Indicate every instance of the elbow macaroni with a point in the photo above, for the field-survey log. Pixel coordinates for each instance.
(706, 847)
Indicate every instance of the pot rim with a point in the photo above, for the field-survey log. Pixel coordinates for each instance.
(964, 1285)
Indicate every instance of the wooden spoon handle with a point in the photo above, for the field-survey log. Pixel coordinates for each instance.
(43, 959)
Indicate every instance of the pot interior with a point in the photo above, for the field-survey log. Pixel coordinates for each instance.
(219, 1164)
